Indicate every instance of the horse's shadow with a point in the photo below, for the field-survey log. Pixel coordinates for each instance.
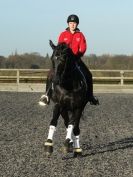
(111, 146)
(102, 148)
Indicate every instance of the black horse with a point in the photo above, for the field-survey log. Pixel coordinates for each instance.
(69, 95)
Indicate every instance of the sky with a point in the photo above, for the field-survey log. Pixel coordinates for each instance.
(26, 26)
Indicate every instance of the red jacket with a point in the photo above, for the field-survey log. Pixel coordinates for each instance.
(76, 41)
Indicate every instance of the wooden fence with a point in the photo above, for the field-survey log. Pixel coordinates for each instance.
(118, 77)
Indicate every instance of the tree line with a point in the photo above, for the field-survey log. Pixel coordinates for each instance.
(36, 61)
(119, 62)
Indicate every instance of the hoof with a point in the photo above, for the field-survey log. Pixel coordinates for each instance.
(70, 149)
(48, 148)
(77, 152)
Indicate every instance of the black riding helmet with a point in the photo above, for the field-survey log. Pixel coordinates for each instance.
(73, 18)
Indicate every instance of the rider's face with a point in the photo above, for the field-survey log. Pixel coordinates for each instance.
(72, 26)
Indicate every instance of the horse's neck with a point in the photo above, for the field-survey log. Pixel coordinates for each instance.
(65, 73)
(69, 66)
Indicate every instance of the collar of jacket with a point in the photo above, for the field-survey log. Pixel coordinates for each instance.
(76, 30)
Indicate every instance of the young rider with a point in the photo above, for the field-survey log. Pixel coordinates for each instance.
(77, 42)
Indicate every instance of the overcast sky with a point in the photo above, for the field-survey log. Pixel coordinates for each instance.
(27, 25)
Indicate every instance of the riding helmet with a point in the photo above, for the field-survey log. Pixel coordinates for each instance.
(73, 18)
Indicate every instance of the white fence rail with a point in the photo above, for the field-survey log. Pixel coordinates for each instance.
(120, 77)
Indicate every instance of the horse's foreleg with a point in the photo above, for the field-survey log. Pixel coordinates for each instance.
(52, 128)
(69, 142)
(76, 132)
(69, 132)
(53, 123)
(56, 114)
(51, 132)
(64, 114)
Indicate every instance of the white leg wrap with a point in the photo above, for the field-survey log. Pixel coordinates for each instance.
(69, 132)
(76, 142)
(71, 140)
(51, 132)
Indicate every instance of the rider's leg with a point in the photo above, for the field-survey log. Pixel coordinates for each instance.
(45, 99)
(89, 80)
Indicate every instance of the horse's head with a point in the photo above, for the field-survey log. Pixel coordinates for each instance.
(67, 74)
(60, 52)
(63, 63)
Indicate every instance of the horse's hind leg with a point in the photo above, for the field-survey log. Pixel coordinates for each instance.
(52, 128)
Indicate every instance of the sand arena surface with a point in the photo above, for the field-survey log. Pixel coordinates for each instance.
(106, 138)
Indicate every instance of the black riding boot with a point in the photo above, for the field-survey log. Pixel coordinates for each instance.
(52, 80)
(92, 99)
(45, 99)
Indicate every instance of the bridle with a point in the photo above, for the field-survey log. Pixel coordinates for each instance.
(65, 60)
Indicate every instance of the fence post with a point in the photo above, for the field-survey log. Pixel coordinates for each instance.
(17, 79)
(122, 77)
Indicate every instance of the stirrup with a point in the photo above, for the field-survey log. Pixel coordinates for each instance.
(44, 100)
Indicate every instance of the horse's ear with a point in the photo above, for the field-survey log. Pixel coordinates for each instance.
(52, 44)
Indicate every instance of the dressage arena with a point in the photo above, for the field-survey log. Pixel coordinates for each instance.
(106, 138)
